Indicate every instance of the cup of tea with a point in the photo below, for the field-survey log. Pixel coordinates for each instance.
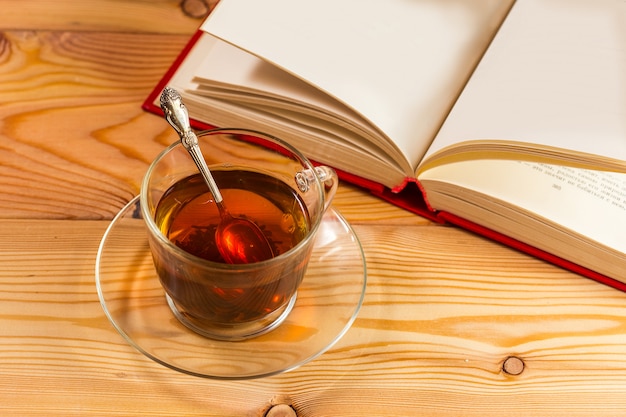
(263, 181)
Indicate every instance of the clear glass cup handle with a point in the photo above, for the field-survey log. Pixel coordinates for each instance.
(326, 175)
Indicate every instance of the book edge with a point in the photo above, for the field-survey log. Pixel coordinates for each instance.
(530, 250)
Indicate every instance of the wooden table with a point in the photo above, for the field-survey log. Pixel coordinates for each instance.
(452, 324)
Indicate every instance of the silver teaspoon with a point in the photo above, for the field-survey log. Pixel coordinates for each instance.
(238, 239)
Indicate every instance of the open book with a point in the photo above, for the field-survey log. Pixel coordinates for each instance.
(507, 118)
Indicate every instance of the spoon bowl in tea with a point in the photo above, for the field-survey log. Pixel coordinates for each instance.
(238, 239)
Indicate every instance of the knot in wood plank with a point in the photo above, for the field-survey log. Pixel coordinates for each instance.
(197, 9)
(513, 365)
(281, 410)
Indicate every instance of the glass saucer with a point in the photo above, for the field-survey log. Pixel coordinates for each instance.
(328, 301)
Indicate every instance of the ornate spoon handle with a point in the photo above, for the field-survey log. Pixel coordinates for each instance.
(177, 116)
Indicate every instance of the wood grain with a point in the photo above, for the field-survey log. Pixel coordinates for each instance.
(75, 142)
(155, 16)
(430, 339)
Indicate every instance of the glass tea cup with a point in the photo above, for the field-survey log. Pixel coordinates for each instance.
(262, 179)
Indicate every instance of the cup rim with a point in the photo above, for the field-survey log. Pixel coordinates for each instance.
(155, 231)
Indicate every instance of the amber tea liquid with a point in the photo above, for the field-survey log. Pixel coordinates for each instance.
(188, 216)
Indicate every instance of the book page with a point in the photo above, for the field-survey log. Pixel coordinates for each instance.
(248, 73)
(554, 76)
(252, 82)
(399, 64)
(323, 128)
(576, 214)
(183, 76)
